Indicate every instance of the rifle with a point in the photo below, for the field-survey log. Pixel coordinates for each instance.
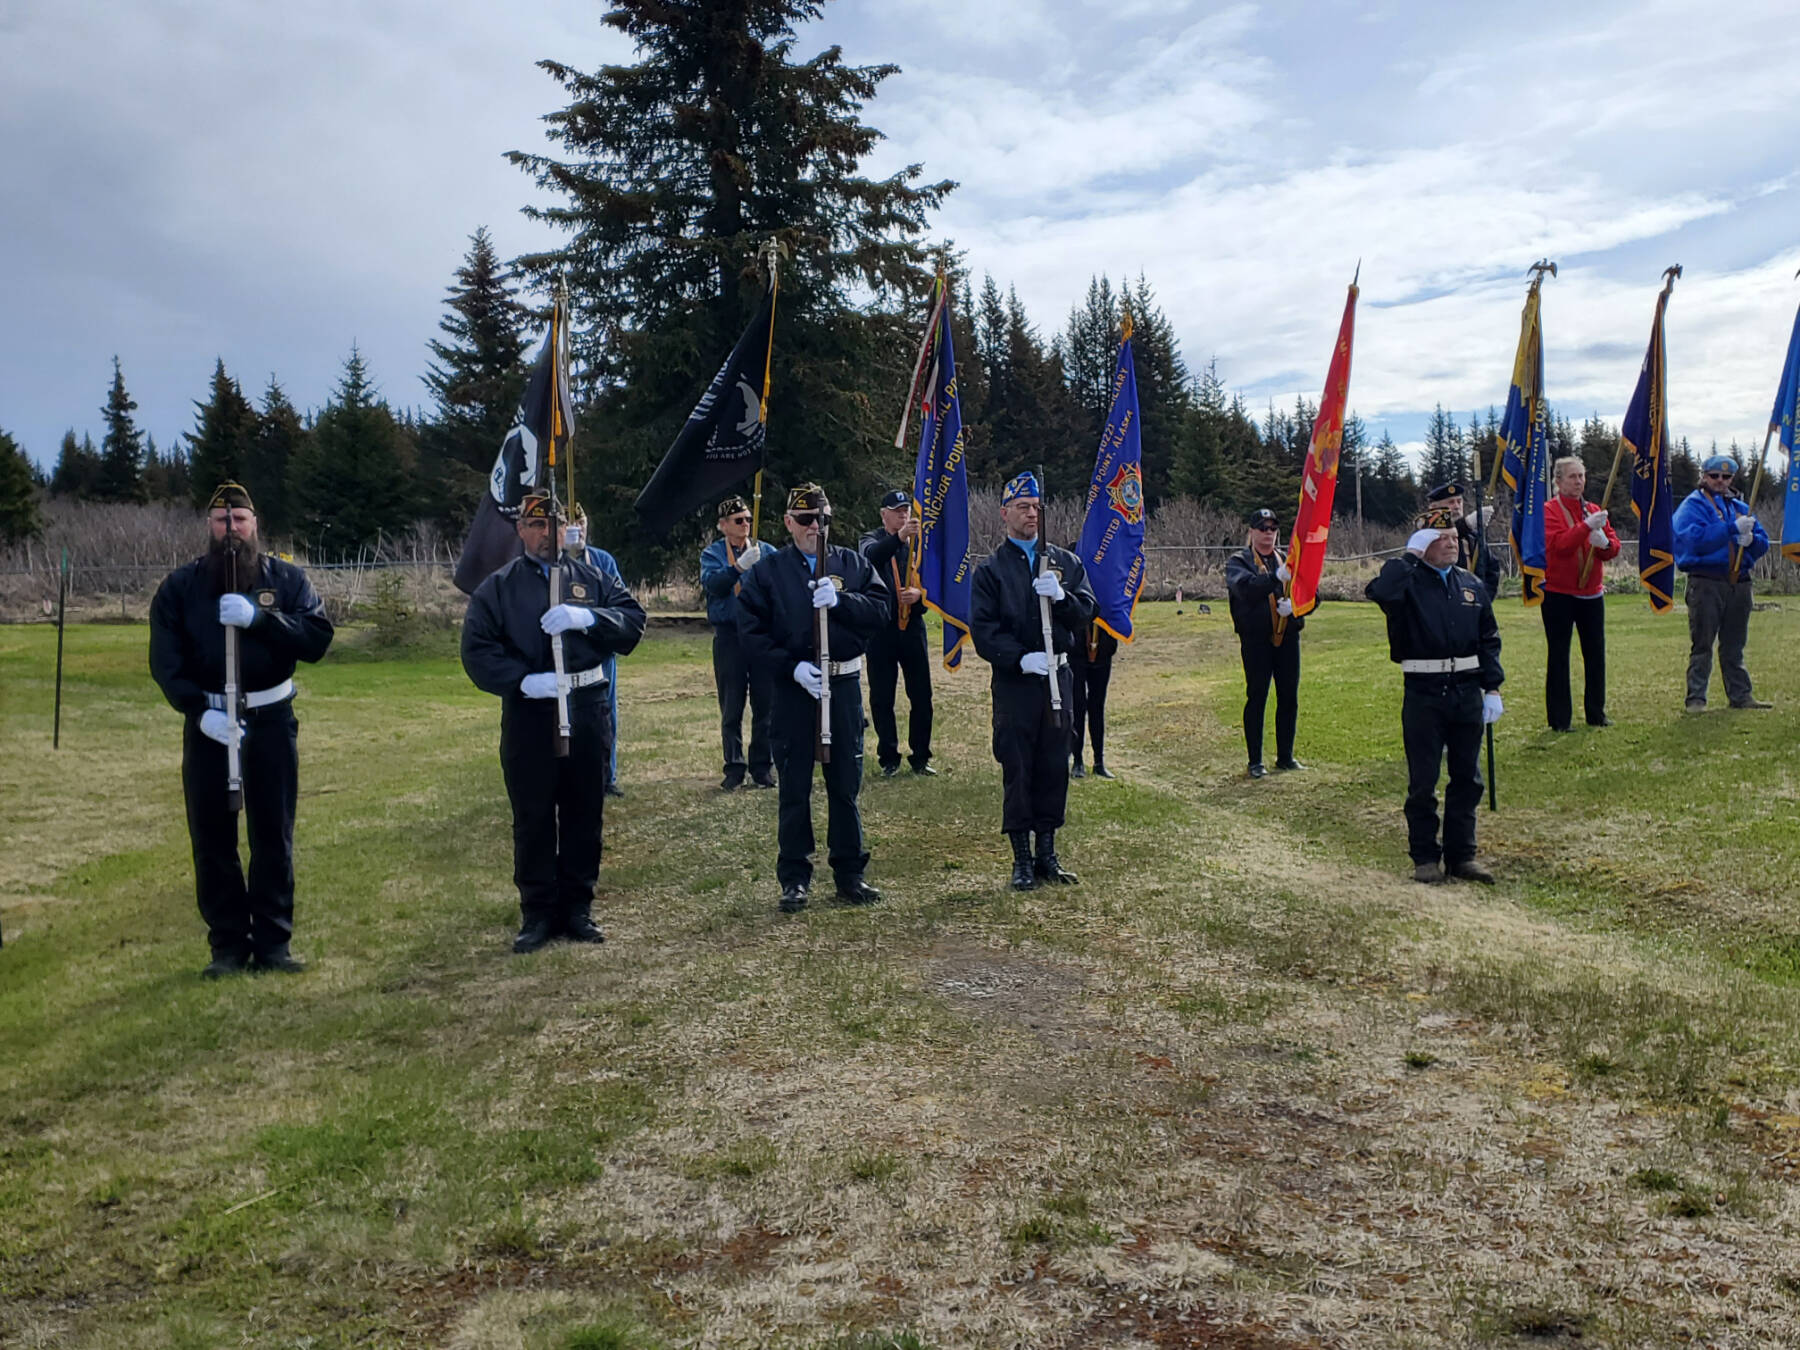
(556, 642)
(234, 749)
(822, 649)
(1043, 569)
(1475, 566)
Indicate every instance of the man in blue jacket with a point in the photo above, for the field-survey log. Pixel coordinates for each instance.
(722, 567)
(1717, 541)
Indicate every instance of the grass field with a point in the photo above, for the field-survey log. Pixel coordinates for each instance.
(1246, 1086)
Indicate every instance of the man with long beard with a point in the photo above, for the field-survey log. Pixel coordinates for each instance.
(279, 621)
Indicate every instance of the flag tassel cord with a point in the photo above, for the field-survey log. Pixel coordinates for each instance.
(771, 253)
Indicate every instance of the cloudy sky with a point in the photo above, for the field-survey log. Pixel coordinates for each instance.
(269, 184)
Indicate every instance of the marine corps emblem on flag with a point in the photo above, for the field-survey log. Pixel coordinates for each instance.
(1126, 491)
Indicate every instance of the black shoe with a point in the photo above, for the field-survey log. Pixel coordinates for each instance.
(1257, 771)
(1753, 703)
(1046, 865)
(225, 963)
(1560, 730)
(614, 790)
(1428, 874)
(1101, 771)
(891, 770)
(533, 933)
(857, 892)
(1288, 765)
(762, 780)
(731, 783)
(1695, 705)
(580, 927)
(278, 959)
(1470, 870)
(1024, 877)
(793, 899)
(924, 771)
(1602, 721)
(1076, 771)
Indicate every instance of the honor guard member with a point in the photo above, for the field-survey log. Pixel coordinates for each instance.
(557, 801)
(1256, 580)
(1441, 632)
(776, 609)
(722, 567)
(1031, 740)
(279, 621)
(899, 648)
(1717, 541)
(1090, 668)
(1448, 497)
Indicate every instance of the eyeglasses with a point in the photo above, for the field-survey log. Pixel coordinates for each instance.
(1716, 473)
(739, 520)
(1260, 528)
(807, 519)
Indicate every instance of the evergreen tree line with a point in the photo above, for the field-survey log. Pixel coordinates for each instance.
(669, 177)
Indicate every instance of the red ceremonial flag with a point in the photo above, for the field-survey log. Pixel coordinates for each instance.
(1312, 521)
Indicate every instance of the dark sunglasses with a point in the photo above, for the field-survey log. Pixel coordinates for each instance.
(1718, 473)
(739, 520)
(807, 519)
(1260, 528)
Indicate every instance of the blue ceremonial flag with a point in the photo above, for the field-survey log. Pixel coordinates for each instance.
(1112, 536)
(941, 567)
(1525, 450)
(1781, 422)
(1645, 433)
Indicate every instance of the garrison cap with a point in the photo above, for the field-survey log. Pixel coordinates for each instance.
(896, 499)
(1445, 491)
(229, 495)
(1438, 519)
(809, 497)
(537, 506)
(1263, 519)
(1719, 464)
(733, 506)
(1025, 485)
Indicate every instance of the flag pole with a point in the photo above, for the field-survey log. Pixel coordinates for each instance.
(770, 253)
(1475, 567)
(62, 605)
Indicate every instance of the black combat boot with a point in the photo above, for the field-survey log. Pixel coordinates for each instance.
(226, 963)
(1023, 878)
(533, 933)
(278, 958)
(580, 926)
(1047, 867)
(793, 898)
(856, 891)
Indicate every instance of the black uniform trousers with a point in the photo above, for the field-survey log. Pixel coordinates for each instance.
(1265, 662)
(891, 653)
(556, 803)
(1033, 751)
(1564, 616)
(796, 716)
(257, 918)
(735, 679)
(1088, 707)
(1441, 718)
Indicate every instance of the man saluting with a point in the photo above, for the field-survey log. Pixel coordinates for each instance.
(557, 801)
(1031, 738)
(279, 621)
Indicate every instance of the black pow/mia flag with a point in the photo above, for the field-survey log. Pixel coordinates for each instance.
(721, 444)
(545, 413)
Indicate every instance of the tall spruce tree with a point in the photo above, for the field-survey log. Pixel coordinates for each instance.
(352, 482)
(219, 446)
(1165, 390)
(77, 467)
(20, 516)
(1196, 466)
(1444, 459)
(476, 378)
(121, 476)
(279, 437)
(673, 172)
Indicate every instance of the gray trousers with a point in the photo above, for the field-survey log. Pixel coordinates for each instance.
(1718, 610)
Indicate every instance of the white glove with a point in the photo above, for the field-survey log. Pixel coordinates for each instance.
(1594, 519)
(572, 539)
(1034, 663)
(808, 677)
(825, 594)
(751, 555)
(236, 610)
(1597, 537)
(1422, 540)
(1048, 585)
(216, 725)
(1491, 708)
(1478, 519)
(1285, 607)
(1746, 530)
(1282, 574)
(541, 685)
(561, 618)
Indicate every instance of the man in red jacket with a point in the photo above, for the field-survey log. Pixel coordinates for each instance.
(1578, 542)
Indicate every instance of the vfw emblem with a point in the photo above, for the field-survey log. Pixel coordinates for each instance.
(1126, 493)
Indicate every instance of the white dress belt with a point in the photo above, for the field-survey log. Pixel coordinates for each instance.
(1448, 665)
(581, 679)
(851, 667)
(259, 698)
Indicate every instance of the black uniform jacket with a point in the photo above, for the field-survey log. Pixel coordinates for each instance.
(1250, 582)
(503, 640)
(1004, 617)
(187, 641)
(1490, 561)
(883, 551)
(1429, 619)
(775, 609)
